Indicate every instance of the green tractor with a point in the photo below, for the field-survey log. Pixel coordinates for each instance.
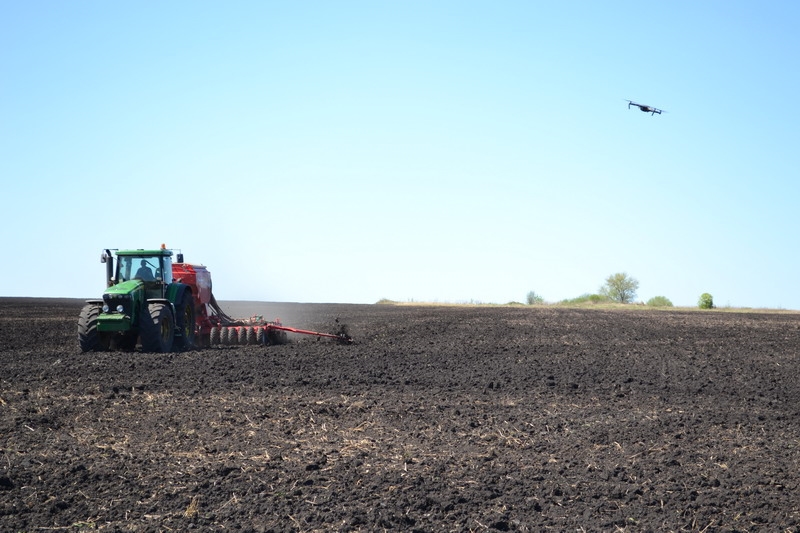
(142, 304)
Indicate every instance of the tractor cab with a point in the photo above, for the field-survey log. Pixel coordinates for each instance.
(152, 267)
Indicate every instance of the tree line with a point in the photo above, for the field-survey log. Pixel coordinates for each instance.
(620, 288)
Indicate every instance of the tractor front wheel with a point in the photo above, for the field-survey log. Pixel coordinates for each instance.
(89, 338)
(158, 328)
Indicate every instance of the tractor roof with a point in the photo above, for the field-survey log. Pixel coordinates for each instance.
(162, 252)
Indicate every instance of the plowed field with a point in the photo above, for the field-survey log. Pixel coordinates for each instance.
(435, 419)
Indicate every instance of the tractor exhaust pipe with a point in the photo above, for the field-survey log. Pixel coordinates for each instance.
(108, 259)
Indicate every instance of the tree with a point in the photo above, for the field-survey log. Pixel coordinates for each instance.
(534, 299)
(706, 301)
(620, 287)
(659, 301)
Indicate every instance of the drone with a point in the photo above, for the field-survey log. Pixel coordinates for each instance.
(645, 108)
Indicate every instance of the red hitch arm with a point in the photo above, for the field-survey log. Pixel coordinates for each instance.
(344, 338)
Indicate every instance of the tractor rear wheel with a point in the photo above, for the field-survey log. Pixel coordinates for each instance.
(157, 329)
(89, 338)
(185, 321)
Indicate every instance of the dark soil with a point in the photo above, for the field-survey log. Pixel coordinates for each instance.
(435, 419)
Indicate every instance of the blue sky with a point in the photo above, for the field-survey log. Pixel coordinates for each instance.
(442, 151)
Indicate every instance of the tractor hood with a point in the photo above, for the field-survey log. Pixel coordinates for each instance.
(126, 287)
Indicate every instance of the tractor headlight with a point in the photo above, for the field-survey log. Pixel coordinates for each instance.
(120, 309)
(105, 308)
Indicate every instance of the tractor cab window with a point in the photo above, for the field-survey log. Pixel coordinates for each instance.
(125, 269)
(165, 272)
(143, 268)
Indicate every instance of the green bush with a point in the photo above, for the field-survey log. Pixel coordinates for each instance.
(534, 299)
(659, 301)
(586, 298)
(706, 301)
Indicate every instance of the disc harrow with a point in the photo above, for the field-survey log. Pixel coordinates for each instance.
(257, 331)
